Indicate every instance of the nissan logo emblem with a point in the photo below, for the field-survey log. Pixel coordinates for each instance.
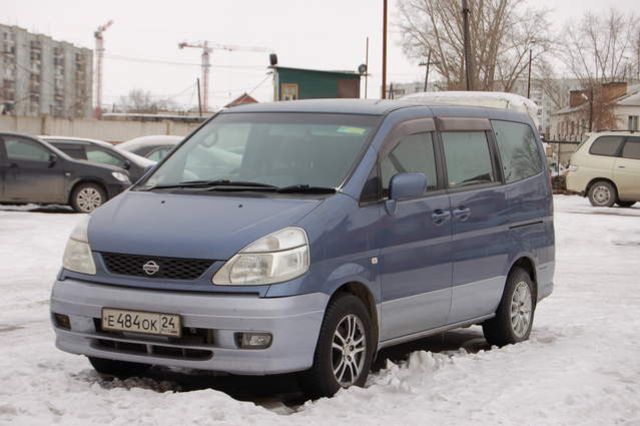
(150, 267)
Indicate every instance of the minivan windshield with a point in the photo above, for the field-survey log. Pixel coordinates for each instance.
(266, 150)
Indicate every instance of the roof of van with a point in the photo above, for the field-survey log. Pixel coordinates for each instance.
(338, 106)
(376, 107)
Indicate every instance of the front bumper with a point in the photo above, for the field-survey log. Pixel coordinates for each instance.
(294, 323)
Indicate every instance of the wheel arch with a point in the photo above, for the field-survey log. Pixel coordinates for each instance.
(362, 292)
(597, 179)
(81, 181)
(529, 265)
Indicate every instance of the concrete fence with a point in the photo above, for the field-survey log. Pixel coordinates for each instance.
(107, 130)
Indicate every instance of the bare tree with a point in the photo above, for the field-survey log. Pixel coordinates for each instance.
(602, 49)
(501, 32)
(141, 101)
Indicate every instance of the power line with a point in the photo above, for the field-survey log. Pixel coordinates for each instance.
(188, 64)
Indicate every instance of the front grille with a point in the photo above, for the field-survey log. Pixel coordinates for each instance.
(153, 350)
(168, 267)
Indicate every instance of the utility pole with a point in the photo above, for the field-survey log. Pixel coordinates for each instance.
(529, 77)
(199, 98)
(467, 46)
(591, 107)
(427, 65)
(384, 49)
(366, 62)
(98, 35)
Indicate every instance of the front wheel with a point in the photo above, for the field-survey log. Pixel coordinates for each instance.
(123, 369)
(602, 194)
(87, 197)
(344, 351)
(514, 317)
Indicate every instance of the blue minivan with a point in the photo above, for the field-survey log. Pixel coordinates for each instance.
(305, 236)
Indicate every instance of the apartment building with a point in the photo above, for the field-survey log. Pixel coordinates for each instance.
(39, 75)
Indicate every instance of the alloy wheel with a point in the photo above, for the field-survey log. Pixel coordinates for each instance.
(521, 303)
(348, 350)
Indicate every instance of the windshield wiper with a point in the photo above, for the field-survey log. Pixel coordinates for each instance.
(306, 189)
(214, 184)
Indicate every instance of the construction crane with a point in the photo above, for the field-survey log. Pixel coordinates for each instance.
(98, 35)
(207, 49)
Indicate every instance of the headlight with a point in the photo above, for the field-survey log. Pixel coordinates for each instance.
(275, 258)
(77, 255)
(121, 177)
(573, 168)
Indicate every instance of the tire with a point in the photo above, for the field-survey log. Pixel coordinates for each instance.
(518, 294)
(111, 367)
(625, 203)
(602, 194)
(352, 367)
(87, 197)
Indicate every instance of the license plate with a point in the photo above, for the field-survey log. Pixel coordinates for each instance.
(141, 322)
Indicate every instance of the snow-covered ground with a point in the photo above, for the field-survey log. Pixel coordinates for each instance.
(581, 366)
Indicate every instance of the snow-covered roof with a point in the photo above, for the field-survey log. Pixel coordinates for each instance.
(503, 100)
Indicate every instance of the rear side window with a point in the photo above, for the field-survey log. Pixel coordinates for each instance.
(518, 150)
(468, 159)
(73, 151)
(158, 154)
(414, 153)
(606, 145)
(632, 149)
(98, 155)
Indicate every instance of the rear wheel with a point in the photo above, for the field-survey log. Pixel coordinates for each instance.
(602, 194)
(344, 351)
(625, 203)
(87, 197)
(514, 317)
(112, 367)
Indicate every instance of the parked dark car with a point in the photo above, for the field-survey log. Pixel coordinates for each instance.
(34, 171)
(154, 147)
(101, 152)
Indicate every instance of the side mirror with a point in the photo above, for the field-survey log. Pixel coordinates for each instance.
(52, 159)
(404, 186)
(126, 165)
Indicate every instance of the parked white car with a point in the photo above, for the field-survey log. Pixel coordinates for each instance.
(606, 168)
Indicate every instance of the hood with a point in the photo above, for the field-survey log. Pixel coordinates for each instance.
(190, 226)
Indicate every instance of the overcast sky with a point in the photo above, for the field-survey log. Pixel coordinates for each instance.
(323, 34)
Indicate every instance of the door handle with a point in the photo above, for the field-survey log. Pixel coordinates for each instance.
(462, 213)
(440, 216)
(621, 167)
(13, 165)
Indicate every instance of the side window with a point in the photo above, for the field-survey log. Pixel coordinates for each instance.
(518, 150)
(22, 149)
(414, 153)
(73, 151)
(631, 149)
(468, 158)
(606, 145)
(158, 154)
(99, 155)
